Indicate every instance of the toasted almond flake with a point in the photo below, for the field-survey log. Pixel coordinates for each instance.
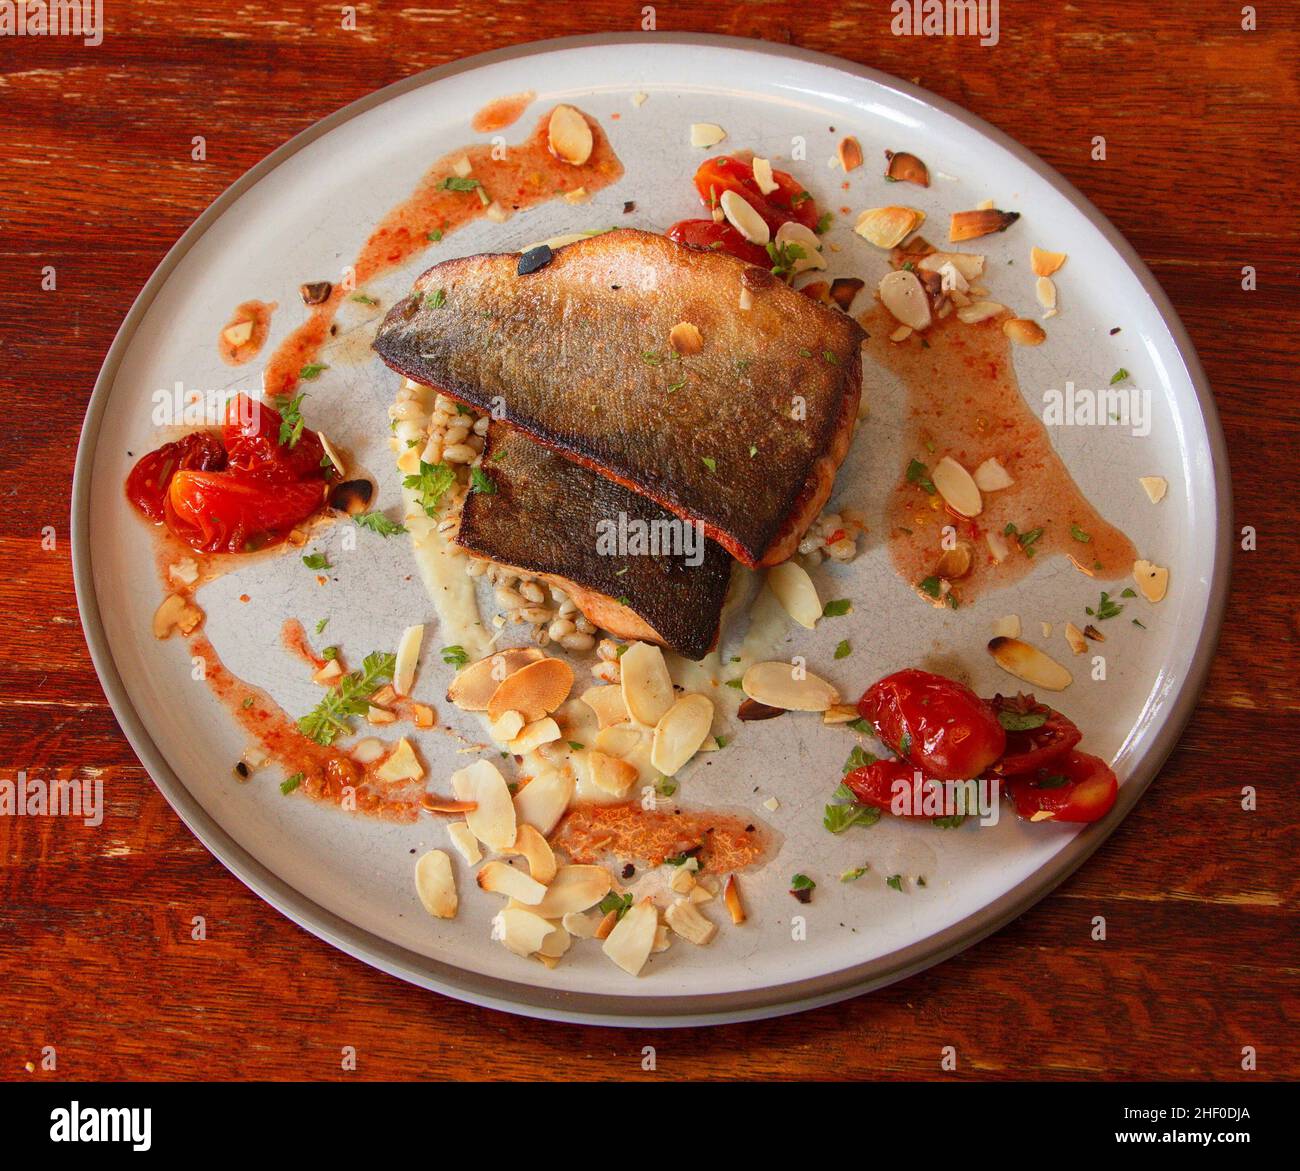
(620, 740)
(461, 167)
(379, 715)
(579, 924)
(849, 153)
(687, 922)
(840, 713)
(542, 802)
(731, 896)
(633, 936)
(185, 571)
(968, 225)
(437, 803)
(781, 685)
(176, 613)
(1045, 291)
(1046, 628)
(462, 837)
(683, 880)
(1155, 487)
(535, 690)
(473, 688)
(991, 476)
(808, 242)
(606, 925)
(902, 293)
(500, 878)
(367, 750)
(577, 195)
(771, 805)
(887, 227)
(1008, 627)
(401, 765)
(685, 338)
(610, 774)
(978, 311)
(1045, 263)
(951, 279)
(536, 851)
(568, 136)
(700, 894)
(1152, 580)
(1023, 331)
(763, 176)
(1027, 662)
(706, 134)
(647, 686)
(957, 487)
(506, 727)
(680, 732)
(493, 818)
(639, 99)
(574, 888)
(1074, 636)
(554, 945)
(498, 214)
(436, 885)
(901, 334)
(521, 931)
(1090, 631)
(794, 589)
(607, 703)
(969, 264)
(238, 333)
(423, 715)
(955, 563)
(330, 673)
(408, 654)
(902, 167)
(997, 545)
(741, 215)
(533, 736)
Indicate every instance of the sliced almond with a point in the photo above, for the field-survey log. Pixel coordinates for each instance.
(967, 225)
(620, 740)
(731, 896)
(329, 674)
(521, 931)
(536, 851)
(902, 293)
(401, 765)
(238, 333)
(606, 925)
(379, 715)
(1152, 580)
(610, 774)
(493, 818)
(568, 136)
(706, 134)
(902, 167)
(991, 476)
(633, 936)
(1074, 636)
(423, 716)
(969, 264)
(840, 713)
(535, 690)
(500, 878)
(647, 686)
(781, 685)
(849, 153)
(506, 727)
(473, 688)
(1008, 627)
(686, 921)
(957, 487)
(1027, 662)
(683, 880)
(1045, 291)
(997, 545)
(763, 176)
(462, 168)
(368, 750)
(1155, 487)
(680, 732)
(751, 711)
(437, 803)
(794, 589)
(1024, 332)
(436, 885)
(955, 563)
(887, 227)
(901, 334)
(462, 837)
(685, 338)
(579, 924)
(533, 736)
(185, 571)
(741, 215)
(1045, 263)
(408, 654)
(554, 945)
(607, 703)
(542, 802)
(808, 243)
(574, 888)
(978, 311)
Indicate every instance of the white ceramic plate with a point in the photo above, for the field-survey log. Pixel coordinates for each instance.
(306, 210)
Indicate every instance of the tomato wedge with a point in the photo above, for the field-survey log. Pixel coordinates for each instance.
(251, 435)
(220, 512)
(146, 486)
(1037, 735)
(939, 725)
(788, 202)
(878, 784)
(1077, 787)
(709, 237)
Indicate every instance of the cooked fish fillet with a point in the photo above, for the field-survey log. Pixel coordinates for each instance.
(545, 517)
(744, 435)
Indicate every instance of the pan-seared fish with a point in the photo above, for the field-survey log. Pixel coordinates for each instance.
(740, 426)
(632, 568)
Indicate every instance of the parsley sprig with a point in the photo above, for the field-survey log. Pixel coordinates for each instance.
(331, 717)
(429, 483)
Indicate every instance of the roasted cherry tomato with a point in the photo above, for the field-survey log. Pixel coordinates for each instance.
(237, 512)
(1036, 734)
(146, 486)
(1077, 787)
(252, 437)
(940, 725)
(880, 783)
(709, 237)
(788, 202)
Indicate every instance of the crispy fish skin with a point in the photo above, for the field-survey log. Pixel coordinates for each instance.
(744, 436)
(542, 518)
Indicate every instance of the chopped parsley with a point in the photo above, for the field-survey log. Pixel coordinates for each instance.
(844, 649)
(1026, 541)
(860, 725)
(1106, 608)
(430, 483)
(456, 183)
(949, 822)
(1021, 721)
(435, 235)
(709, 462)
(801, 886)
(312, 371)
(482, 482)
(320, 626)
(437, 299)
(894, 882)
(363, 299)
(919, 474)
(665, 787)
(330, 718)
(377, 522)
(930, 585)
(784, 257)
(619, 904)
(829, 357)
(576, 746)
(1118, 376)
(455, 656)
(247, 703)
(317, 561)
(824, 222)
(291, 422)
(289, 784)
(1079, 535)
(837, 608)
(854, 874)
(330, 652)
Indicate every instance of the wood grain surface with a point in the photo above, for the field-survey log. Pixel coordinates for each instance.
(1201, 120)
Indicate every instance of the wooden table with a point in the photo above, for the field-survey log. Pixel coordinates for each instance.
(1200, 119)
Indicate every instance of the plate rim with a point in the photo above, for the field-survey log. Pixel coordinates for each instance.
(639, 1010)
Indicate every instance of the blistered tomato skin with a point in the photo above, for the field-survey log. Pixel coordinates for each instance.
(1031, 748)
(789, 202)
(939, 725)
(147, 484)
(1079, 787)
(710, 237)
(879, 783)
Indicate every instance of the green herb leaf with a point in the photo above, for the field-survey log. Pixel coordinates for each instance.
(289, 784)
(455, 656)
(919, 474)
(482, 482)
(320, 626)
(858, 758)
(1055, 781)
(317, 561)
(709, 462)
(844, 649)
(456, 183)
(1021, 721)
(291, 421)
(361, 297)
(576, 746)
(838, 818)
(312, 371)
(620, 904)
(1079, 535)
(1118, 376)
(435, 235)
(1106, 608)
(437, 299)
(429, 484)
(894, 882)
(331, 717)
(837, 608)
(377, 522)
(854, 874)
(802, 882)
